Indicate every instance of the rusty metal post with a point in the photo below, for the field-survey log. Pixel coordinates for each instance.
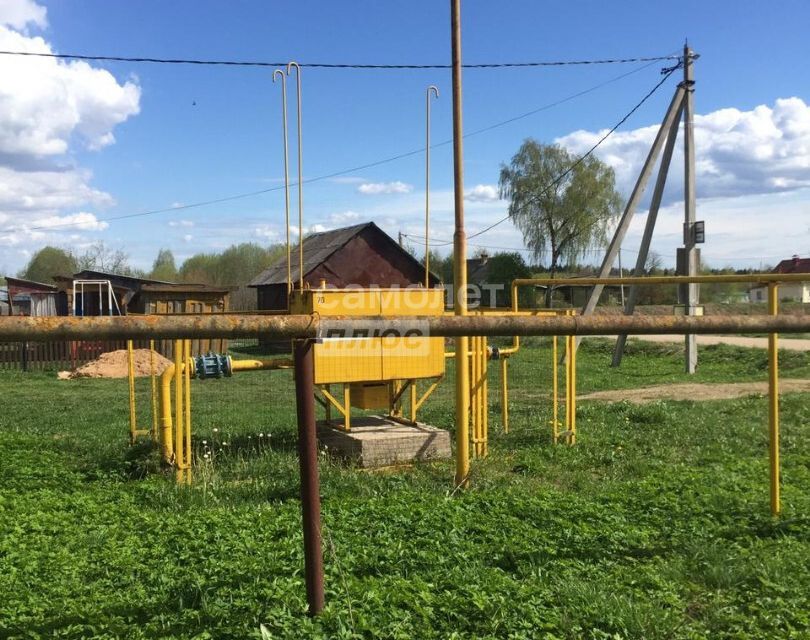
(459, 257)
(308, 463)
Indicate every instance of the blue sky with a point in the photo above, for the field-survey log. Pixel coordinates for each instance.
(166, 135)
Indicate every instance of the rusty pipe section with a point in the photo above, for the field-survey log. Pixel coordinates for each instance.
(279, 327)
(303, 326)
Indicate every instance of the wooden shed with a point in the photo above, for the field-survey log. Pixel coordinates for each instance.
(142, 295)
(30, 298)
(362, 255)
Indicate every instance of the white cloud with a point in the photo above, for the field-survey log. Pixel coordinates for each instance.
(266, 231)
(482, 193)
(53, 229)
(343, 217)
(181, 223)
(47, 101)
(188, 238)
(315, 228)
(764, 150)
(19, 13)
(50, 108)
(378, 188)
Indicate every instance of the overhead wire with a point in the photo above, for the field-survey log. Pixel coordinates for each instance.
(324, 65)
(665, 73)
(342, 172)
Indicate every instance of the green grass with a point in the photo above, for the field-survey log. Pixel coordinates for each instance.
(654, 526)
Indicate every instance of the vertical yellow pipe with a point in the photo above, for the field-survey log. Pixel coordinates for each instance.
(473, 394)
(555, 391)
(573, 437)
(484, 397)
(347, 405)
(179, 462)
(478, 417)
(478, 389)
(515, 339)
(505, 394)
(153, 381)
(187, 388)
(568, 385)
(133, 426)
(773, 401)
(166, 414)
(413, 401)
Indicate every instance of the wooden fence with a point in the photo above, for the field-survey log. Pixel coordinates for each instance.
(67, 355)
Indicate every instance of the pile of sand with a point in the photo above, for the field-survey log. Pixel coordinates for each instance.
(114, 364)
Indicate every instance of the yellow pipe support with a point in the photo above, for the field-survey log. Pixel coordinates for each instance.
(773, 403)
(178, 409)
(555, 390)
(568, 350)
(187, 389)
(479, 432)
(428, 392)
(167, 447)
(572, 438)
(164, 404)
(414, 405)
(484, 397)
(347, 402)
(153, 382)
(505, 394)
(133, 425)
(471, 393)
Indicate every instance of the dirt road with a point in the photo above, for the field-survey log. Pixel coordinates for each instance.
(792, 344)
(696, 392)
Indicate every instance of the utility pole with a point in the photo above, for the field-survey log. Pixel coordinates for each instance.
(460, 258)
(646, 239)
(400, 238)
(689, 255)
(624, 223)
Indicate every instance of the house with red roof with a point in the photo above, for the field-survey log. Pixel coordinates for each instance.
(793, 291)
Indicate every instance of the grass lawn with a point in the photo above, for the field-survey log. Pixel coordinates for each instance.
(655, 525)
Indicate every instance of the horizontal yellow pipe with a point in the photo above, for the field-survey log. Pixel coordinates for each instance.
(256, 365)
(753, 278)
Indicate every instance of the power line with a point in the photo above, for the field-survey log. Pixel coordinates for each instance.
(419, 239)
(335, 174)
(323, 65)
(666, 74)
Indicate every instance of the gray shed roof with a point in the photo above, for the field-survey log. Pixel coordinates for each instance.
(317, 248)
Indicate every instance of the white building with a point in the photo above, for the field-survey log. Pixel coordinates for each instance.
(794, 291)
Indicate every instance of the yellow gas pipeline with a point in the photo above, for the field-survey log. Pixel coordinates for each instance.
(183, 373)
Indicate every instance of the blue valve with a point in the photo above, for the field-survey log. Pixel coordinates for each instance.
(213, 365)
